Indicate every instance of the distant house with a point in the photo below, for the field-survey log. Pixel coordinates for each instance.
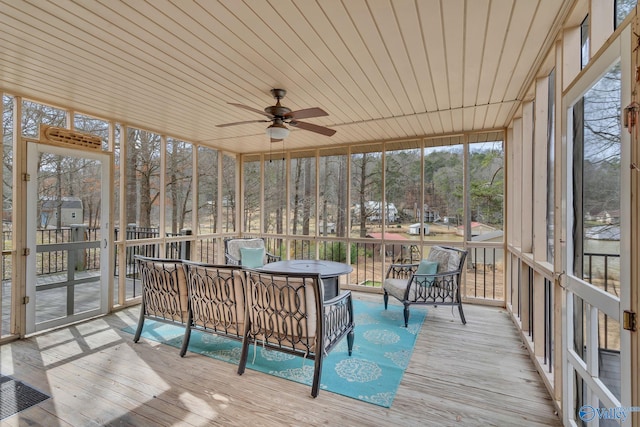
(71, 211)
(608, 217)
(374, 212)
(429, 215)
(331, 228)
(415, 229)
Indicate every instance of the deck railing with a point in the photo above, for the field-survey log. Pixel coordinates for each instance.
(52, 262)
(603, 271)
(600, 269)
(56, 261)
(207, 249)
(548, 324)
(484, 275)
(528, 311)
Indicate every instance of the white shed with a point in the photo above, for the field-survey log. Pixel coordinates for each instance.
(414, 229)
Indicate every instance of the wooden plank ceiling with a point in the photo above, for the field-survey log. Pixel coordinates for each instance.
(382, 69)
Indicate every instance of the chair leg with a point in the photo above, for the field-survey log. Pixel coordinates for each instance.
(350, 337)
(464, 321)
(386, 299)
(406, 315)
(136, 337)
(185, 341)
(243, 355)
(187, 336)
(317, 372)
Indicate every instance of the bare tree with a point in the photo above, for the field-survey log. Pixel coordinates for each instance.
(144, 150)
(178, 183)
(208, 186)
(366, 185)
(296, 195)
(251, 194)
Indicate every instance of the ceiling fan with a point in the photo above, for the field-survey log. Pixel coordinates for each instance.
(281, 116)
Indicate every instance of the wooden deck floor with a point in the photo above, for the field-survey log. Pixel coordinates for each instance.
(460, 375)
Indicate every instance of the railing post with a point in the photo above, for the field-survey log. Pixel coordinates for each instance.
(185, 247)
(131, 231)
(78, 234)
(130, 234)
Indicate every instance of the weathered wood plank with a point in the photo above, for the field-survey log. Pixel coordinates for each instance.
(473, 374)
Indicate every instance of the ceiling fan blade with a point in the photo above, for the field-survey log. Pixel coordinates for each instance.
(306, 113)
(241, 123)
(313, 128)
(255, 110)
(276, 140)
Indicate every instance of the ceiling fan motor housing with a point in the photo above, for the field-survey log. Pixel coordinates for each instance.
(278, 110)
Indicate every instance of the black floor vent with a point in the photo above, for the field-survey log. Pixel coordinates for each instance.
(16, 396)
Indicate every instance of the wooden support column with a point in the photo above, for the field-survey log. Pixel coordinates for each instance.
(635, 213)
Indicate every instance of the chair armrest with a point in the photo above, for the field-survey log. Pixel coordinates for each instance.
(447, 280)
(405, 265)
(338, 319)
(450, 273)
(346, 295)
(231, 260)
(440, 274)
(272, 257)
(401, 271)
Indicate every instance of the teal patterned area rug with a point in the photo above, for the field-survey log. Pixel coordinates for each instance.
(381, 352)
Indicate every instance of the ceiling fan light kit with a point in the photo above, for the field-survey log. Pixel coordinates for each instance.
(280, 115)
(277, 130)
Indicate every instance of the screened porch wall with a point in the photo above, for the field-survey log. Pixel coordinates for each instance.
(365, 204)
(307, 205)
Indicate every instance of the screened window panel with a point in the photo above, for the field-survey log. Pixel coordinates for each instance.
(143, 184)
(207, 190)
(93, 126)
(366, 193)
(486, 173)
(228, 193)
(597, 182)
(623, 8)
(551, 146)
(585, 55)
(332, 199)
(7, 171)
(443, 192)
(35, 114)
(178, 184)
(302, 201)
(403, 181)
(275, 190)
(252, 192)
(115, 188)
